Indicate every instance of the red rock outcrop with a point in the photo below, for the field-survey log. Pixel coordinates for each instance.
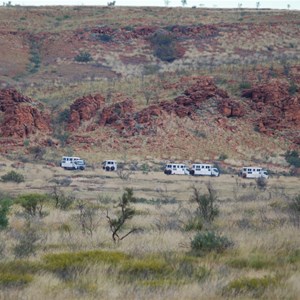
(279, 110)
(22, 116)
(230, 108)
(83, 109)
(127, 122)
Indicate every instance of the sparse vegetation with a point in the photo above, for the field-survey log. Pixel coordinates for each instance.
(83, 57)
(164, 46)
(292, 157)
(13, 176)
(207, 208)
(237, 240)
(205, 242)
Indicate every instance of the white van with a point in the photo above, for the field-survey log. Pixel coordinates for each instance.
(72, 163)
(204, 170)
(176, 169)
(109, 165)
(254, 172)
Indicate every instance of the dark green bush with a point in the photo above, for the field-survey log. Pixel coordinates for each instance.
(209, 241)
(292, 157)
(105, 38)
(83, 57)
(164, 46)
(13, 177)
(5, 204)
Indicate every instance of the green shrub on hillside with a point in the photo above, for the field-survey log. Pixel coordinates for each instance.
(83, 57)
(33, 204)
(164, 46)
(5, 205)
(292, 157)
(205, 242)
(13, 177)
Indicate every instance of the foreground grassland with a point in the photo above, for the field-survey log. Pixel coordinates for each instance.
(67, 251)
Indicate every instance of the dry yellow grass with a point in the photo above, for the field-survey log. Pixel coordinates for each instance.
(257, 222)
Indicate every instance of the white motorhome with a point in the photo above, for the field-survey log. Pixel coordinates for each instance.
(109, 165)
(72, 163)
(204, 170)
(254, 172)
(176, 169)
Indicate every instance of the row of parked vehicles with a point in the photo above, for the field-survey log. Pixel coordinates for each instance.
(199, 169)
(76, 163)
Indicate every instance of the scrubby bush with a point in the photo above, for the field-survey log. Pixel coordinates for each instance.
(5, 204)
(105, 38)
(83, 57)
(292, 157)
(205, 242)
(164, 46)
(13, 177)
(61, 201)
(33, 204)
(261, 183)
(207, 208)
(27, 242)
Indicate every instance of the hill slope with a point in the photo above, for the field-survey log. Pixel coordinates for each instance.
(171, 83)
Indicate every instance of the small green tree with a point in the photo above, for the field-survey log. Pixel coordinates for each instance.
(126, 213)
(33, 204)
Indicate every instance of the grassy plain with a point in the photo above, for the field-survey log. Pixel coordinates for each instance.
(155, 262)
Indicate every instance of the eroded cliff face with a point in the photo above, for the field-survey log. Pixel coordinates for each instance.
(278, 104)
(22, 116)
(202, 107)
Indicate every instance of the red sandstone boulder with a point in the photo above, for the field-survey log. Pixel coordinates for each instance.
(22, 116)
(83, 109)
(230, 108)
(279, 110)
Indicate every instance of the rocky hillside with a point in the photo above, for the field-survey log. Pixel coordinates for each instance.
(173, 83)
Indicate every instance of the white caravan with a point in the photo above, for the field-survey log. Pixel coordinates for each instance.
(72, 163)
(254, 172)
(204, 170)
(176, 169)
(110, 165)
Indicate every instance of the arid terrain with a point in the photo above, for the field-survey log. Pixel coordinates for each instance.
(146, 86)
